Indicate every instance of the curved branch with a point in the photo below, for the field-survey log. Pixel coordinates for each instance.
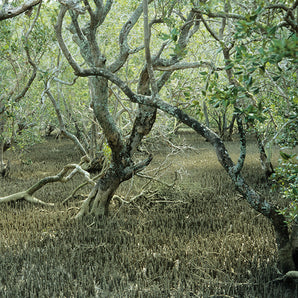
(8, 11)
(124, 47)
(63, 47)
(130, 171)
(223, 15)
(31, 62)
(62, 124)
(147, 35)
(210, 30)
(184, 65)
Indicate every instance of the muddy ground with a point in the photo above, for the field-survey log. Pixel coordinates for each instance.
(196, 238)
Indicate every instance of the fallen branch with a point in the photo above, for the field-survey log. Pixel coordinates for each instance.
(159, 181)
(23, 195)
(27, 195)
(289, 276)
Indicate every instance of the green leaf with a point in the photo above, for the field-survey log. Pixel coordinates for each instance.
(249, 81)
(229, 66)
(285, 156)
(164, 36)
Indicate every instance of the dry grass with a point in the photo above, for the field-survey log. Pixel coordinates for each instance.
(196, 239)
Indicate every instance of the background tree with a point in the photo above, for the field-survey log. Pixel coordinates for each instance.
(15, 84)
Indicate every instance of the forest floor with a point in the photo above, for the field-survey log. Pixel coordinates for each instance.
(196, 238)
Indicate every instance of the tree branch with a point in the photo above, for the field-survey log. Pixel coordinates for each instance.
(63, 47)
(123, 44)
(147, 34)
(7, 11)
(223, 15)
(184, 65)
(62, 124)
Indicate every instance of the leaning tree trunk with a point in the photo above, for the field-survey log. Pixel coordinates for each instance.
(287, 246)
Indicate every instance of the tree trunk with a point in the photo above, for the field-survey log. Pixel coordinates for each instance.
(4, 168)
(2, 164)
(265, 161)
(97, 203)
(231, 128)
(205, 109)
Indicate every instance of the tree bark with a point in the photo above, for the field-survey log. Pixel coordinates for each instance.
(8, 11)
(97, 203)
(205, 109)
(265, 161)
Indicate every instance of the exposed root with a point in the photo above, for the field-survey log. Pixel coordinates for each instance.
(85, 206)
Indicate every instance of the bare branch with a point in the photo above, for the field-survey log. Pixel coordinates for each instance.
(8, 11)
(186, 65)
(63, 47)
(74, 5)
(32, 63)
(61, 121)
(130, 171)
(60, 177)
(223, 15)
(123, 44)
(147, 48)
(210, 30)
